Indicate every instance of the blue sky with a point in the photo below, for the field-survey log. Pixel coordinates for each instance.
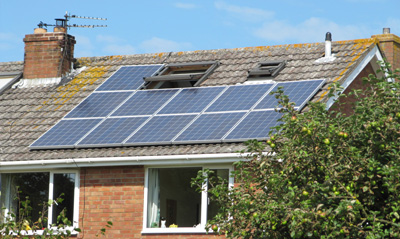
(150, 26)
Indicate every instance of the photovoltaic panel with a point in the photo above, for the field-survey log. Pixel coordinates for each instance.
(112, 131)
(240, 97)
(173, 116)
(65, 133)
(145, 102)
(210, 127)
(128, 77)
(299, 92)
(256, 125)
(98, 104)
(191, 100)
(160, 129)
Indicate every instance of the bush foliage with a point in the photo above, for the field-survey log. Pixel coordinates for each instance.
(328, 175)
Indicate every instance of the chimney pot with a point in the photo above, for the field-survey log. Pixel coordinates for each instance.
(39, 31)
(386, 30)
(60, 29)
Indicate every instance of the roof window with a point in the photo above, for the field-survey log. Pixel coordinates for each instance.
(7, 79)
(181, 75)
(266, 69)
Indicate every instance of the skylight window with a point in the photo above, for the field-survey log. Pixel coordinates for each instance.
(266, 69)
(7, 79)
(181, 75)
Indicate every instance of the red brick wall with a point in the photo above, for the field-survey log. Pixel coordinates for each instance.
(345, 105)
(390, 45)
(115, 194)
(48, 55)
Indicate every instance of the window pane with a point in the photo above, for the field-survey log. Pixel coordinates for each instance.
(32, 185)
(213, 206)
(178, 202)
(64, 186)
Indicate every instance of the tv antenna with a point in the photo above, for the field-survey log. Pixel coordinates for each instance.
(63, 22)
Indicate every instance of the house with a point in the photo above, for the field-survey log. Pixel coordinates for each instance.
(61, 130)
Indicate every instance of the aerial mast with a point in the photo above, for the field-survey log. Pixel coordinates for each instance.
(62, 23)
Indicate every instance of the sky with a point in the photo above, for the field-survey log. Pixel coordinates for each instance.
(151, 26)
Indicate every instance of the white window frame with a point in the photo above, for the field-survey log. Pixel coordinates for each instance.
(75, 220)
(204, 201)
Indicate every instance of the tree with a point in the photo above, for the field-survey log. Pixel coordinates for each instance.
(327, 175)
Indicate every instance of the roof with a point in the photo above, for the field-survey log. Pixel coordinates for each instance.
(27, 113)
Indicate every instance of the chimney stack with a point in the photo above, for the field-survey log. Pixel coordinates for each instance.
(390, 46)
(48, 54)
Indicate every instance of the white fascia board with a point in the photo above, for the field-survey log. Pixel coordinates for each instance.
(373, 53)
(122, 161)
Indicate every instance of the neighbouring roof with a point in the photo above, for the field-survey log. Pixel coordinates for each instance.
(27, 113)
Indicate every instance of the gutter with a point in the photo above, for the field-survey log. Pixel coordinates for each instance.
(122, 161)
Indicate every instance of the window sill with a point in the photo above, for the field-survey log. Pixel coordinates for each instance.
(183, 230)
(40, 232)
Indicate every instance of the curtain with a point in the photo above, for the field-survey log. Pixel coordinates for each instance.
(8, 194)
(153, 205)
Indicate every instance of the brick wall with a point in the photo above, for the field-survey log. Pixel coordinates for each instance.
(346, 103)
(115, 194)
(390, 45)
(48, 55)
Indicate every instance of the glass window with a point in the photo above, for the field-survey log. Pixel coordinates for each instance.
(64, 186)
(172, 202)
(219, 174)
(23, 185)
(37, 187)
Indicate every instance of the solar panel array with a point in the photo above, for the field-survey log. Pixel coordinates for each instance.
(117, 113)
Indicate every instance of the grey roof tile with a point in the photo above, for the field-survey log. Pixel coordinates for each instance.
(30, 112)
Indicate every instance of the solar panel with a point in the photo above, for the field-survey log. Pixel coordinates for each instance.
(299, 92)
(98, 104)
(128, 77)
(145, 102)
(256, 125)
(160, 129)
(191, 100)
(210, 127)
(240, 97)
(172, 116)
(112, 131)
(65, 133)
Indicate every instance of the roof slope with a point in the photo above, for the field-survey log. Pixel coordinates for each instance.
(27, 113)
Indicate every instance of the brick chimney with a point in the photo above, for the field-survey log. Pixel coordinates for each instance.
(390, 45)
(48, 54)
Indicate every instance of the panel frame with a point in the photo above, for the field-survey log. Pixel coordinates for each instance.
(161, 66)
(226, 140)
(71, 146)
(301, 106)
(175, 141)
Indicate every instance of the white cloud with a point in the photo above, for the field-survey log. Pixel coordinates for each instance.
(8, 41)
(115, 45)
(185, 5)
(156, 44)
(115, 49)
(394, 25)
(310, 30)
(84, 42)
(8, 37)
(108, 39)
(84, 46)
(245, 13)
